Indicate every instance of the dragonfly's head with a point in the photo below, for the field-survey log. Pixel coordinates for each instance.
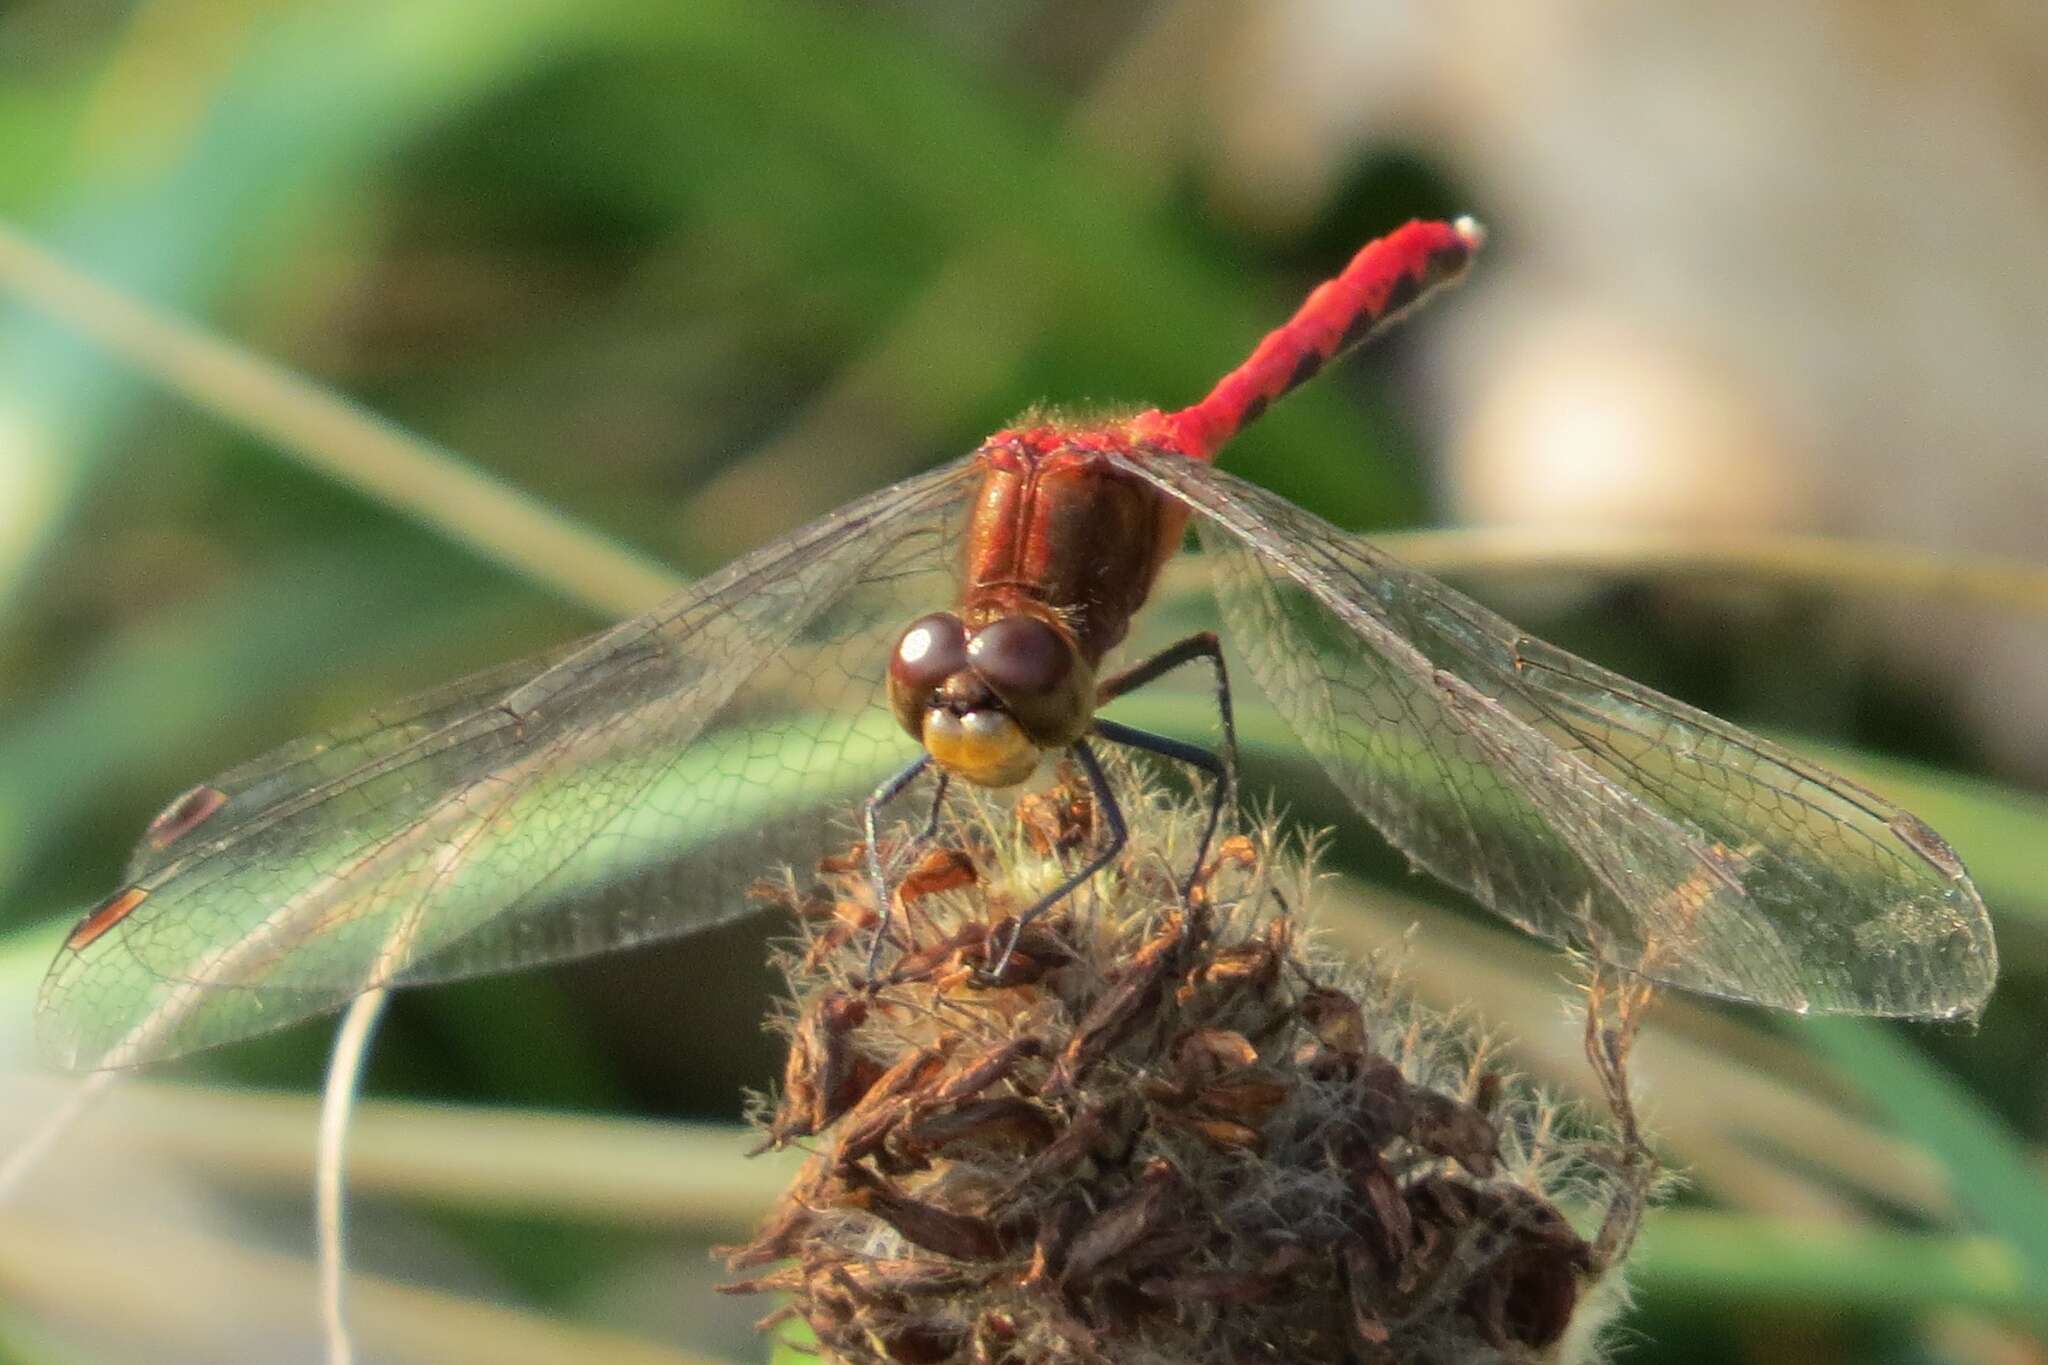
(986, 702)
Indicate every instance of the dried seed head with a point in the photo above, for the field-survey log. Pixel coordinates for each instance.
(1173, 1134)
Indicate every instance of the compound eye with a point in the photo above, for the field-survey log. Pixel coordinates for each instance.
(930, 651)
(1021, 657)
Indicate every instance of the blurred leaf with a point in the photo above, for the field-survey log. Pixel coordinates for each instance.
(1709, 1261)
(795, 1344)
(866, 92)
(314, 95)
(1836, 566)
(1131, 296)
(171, 688)
(342, 440)
(182, 1294)
(1993, 1178)
(606, 1169)
(35, 125)
(695, 1177)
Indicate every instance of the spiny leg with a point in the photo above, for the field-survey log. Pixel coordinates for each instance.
(1201, 645)
(1112, 815)
(931, 822)
(1195, 757)
(870, 820)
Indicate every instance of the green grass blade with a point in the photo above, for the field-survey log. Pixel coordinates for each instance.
(1990, 1172)
(1713, 1261)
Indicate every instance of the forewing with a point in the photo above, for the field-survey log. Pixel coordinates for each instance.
(621, 790)
(250, 792)
(1581, 806)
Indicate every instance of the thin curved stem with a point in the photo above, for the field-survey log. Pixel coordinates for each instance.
(344, 1073)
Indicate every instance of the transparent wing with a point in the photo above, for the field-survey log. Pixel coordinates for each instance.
(246, 794)
(1574, 803)
(620, 790)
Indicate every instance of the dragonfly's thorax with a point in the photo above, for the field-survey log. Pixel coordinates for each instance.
(1058, 530)
(986, 697)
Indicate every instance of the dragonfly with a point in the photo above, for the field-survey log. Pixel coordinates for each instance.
(629, 787)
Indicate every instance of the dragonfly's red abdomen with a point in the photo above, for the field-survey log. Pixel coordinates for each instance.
(1057, 530)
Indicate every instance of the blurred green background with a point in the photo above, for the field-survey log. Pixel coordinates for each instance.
(692, 273)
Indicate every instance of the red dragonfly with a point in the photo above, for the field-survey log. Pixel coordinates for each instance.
(628, 787)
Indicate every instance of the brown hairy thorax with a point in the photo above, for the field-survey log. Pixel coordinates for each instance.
(1169, 1133)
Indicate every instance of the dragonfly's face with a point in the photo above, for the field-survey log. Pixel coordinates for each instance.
(986, 704)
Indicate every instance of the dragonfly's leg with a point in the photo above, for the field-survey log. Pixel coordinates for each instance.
(1204, 645)
(931, 824)
(1195, 757)
(1112, 815)
(870, 820)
